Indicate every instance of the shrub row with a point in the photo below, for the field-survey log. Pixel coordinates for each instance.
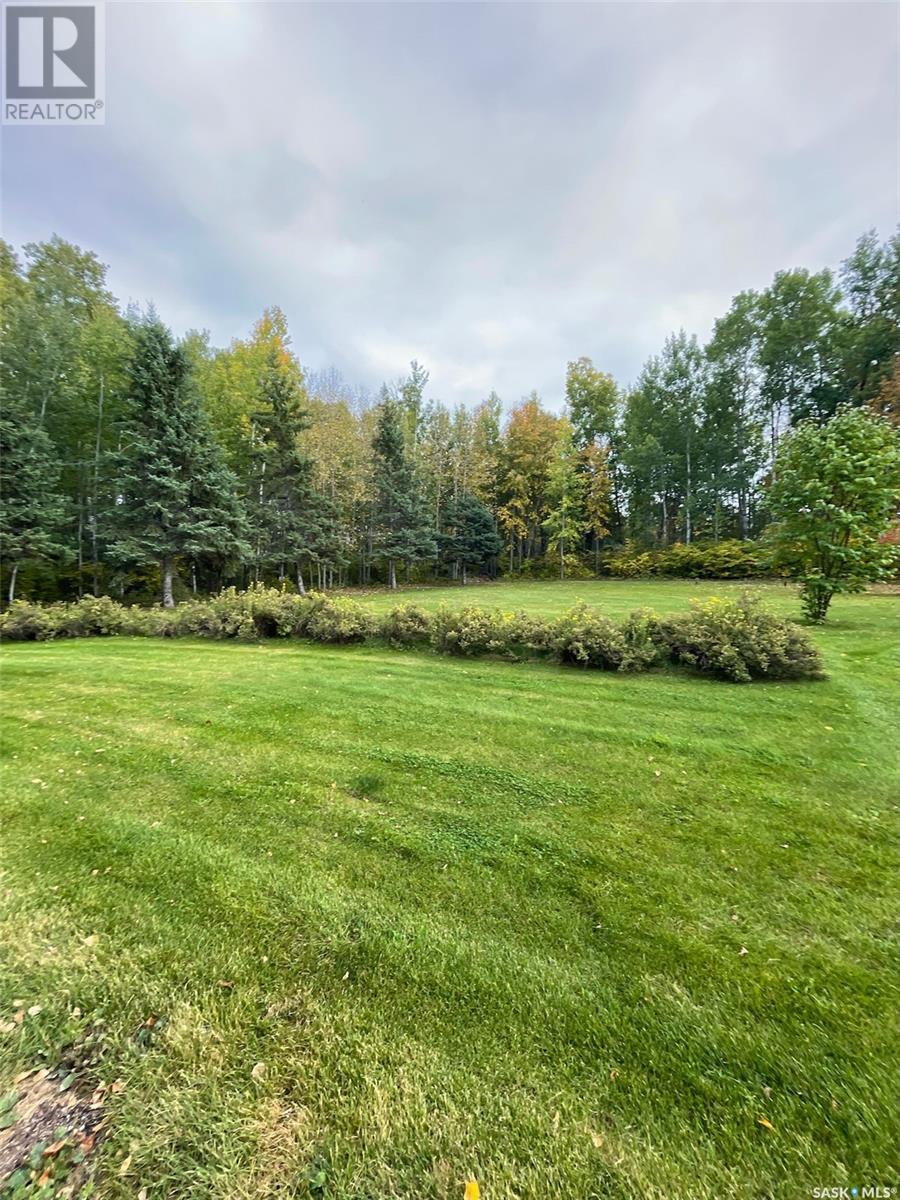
(700, 560)
(735, 640)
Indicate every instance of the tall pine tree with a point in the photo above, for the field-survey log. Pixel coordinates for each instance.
(282, 506)
(176, 497)
(401, 526)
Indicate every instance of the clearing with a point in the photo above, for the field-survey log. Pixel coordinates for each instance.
(359, 923)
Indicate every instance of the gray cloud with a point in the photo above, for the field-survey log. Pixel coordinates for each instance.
(491, 188)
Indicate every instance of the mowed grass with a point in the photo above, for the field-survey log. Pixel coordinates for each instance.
(570, 934)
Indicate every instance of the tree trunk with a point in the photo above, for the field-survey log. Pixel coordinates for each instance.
(687, 497)
(464, 576)
(665, 519)
(168, 599)
(392, 576)
(80, 546)
(12, 582)
(300, 585)
(562, 560)
(194, 578)
(95, 561)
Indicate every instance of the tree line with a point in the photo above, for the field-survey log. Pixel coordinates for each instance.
(137, 464)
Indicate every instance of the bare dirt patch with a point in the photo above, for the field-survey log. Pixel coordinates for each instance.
(52, 1132)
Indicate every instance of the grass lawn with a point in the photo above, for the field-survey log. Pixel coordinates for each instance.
(570, 934)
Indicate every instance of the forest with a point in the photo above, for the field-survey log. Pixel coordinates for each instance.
(145, 466)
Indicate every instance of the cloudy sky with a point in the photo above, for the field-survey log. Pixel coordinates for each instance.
(491, 188)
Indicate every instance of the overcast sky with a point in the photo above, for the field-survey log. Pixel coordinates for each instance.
(492, 189)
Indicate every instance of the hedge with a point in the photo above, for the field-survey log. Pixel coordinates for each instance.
(735, 640)
(728, 559)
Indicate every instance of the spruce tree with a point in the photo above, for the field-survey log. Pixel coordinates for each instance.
(31, 509)
(471, 538)
(283, 509)
(401, 526)
(175, 494)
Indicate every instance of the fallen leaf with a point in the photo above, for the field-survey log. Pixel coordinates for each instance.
(224, 983)
(125, 1165)
(473, 1191)
(34, 1010)
(614, 1074)
(55, 1148)
(259, 1071)
(765, 1124)
(597, 1139)
(743, 950)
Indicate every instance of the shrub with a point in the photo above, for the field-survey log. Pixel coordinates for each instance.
(406, 625)
(27, 622)
(585, 638)
(729, 559)
(630, 562)
(547, 567)
(474, 631)
(92, 616)
(259, 611)
(739, 640)
(338, 619)
(733, 640)
(645, 641)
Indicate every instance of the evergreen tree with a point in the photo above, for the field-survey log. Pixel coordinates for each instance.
(471, 538)
(281, 504)
(401, 527)
(175, 495)
(31, 509)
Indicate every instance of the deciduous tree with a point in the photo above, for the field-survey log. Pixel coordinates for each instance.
(835, 489)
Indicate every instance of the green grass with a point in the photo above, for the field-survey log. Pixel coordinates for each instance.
(480, 919)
